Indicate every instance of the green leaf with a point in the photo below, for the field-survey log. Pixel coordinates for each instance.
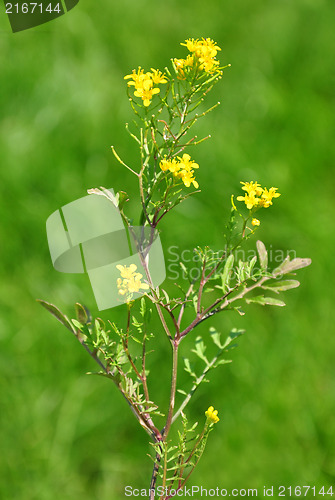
(58, 315)
(191, 429)
(200, 349)
(263, 255)
(101, 323)
(77, 324)
(184, 393)
(251, 265)
(239, 310)
(188, 368)
(195, 302)
(281, 286)
(137, 325)
(81, 313)
(167, 298)
(216, 337)
(143, 307)
(221, 362)
(265, 301)
(183, 267)
(242, 271)
(232, 336)
(135, 339)
(288, 266)
(225, 277)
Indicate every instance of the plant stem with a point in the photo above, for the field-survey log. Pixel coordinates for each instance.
(175, 346)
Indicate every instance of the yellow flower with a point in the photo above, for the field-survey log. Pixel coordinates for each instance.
(131, 282)
(186, 170)
(187, 178)
(169, 165)
(267, 196)
(146, 95)
(127, 272)
(165, 164)
(158, 77)
(144, 83)
(212, 415)
(204, 52)
(252, 187)
(182, 65)
(181, 168)
(255, 222)
(249, 199)
(139, 79)
(256, 196)
(202, 48)
(174, 167)
(186, 163)
(191, 44)
(135, 284)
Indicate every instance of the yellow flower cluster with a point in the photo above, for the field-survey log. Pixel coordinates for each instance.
(202, 57)
(181, 168)
(144, 83)
(212, 415)
(256, 197)
(130, 281)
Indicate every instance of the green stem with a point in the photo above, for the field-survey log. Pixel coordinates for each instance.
(166, 430)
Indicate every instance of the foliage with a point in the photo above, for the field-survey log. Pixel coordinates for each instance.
(162, 128)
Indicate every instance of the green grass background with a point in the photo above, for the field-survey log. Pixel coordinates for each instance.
(62, 104)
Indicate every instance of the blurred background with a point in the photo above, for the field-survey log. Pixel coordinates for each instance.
(62, 105)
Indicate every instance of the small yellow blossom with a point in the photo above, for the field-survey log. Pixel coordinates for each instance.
(157, 76)
(144, 83)
(256, 196)
(191, 44)
(182, 65)
(174, 167)
(212, 415)
(170, 165)
(146, 95)
(139, 79)
(165, 164)
(186, 163)
(187, 178)
(202, 48)
(255, 222)
(202, 57)
(250, 200)
(252, 187)
(131, 282)
(127, 272)
(181, 168)
(267, 196)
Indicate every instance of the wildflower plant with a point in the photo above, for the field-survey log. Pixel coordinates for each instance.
(165, 105)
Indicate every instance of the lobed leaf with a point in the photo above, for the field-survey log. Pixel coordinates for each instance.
(232, 336)
(216, 337)
(200, 349)
(188, 368)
